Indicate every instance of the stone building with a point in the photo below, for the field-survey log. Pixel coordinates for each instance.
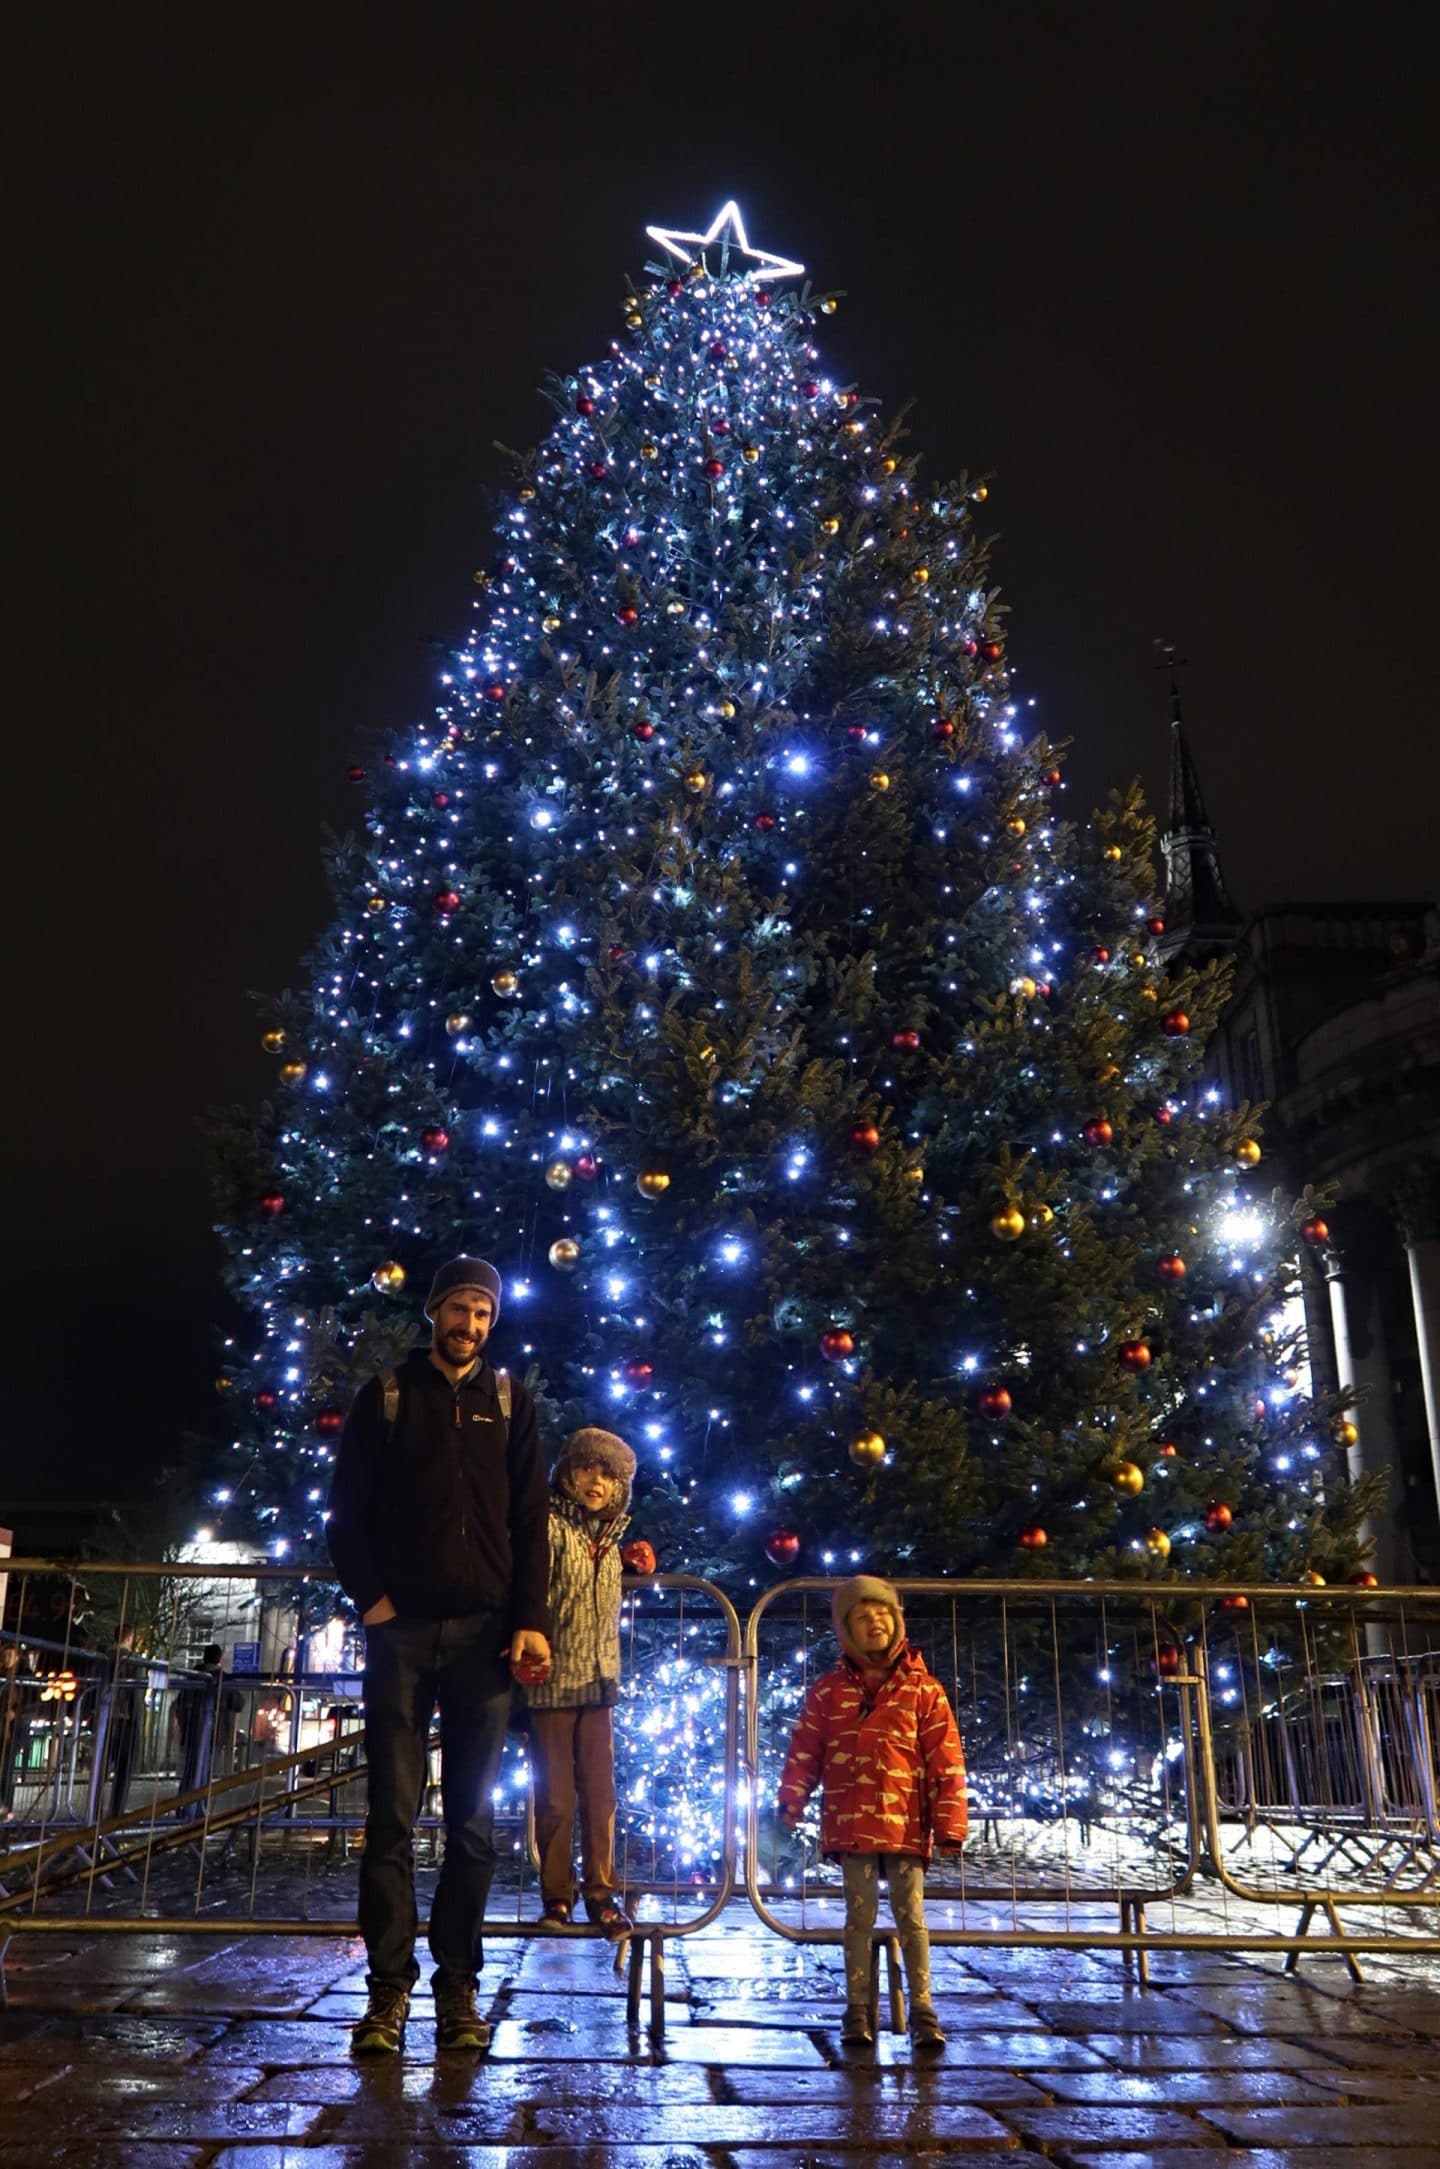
(1335, 1023)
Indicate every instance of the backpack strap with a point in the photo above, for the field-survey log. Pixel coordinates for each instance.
(390, 1397)
(502, 1390)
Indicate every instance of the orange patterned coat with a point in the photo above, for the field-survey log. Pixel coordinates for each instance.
(891, 1765)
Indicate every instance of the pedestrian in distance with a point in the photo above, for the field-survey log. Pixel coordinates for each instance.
(571, 1726)
(878, 1735)
(437, 1530)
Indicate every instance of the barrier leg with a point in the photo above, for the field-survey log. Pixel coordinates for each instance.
(1302, 1928)
(872, 2001)
(896, 1984)
(632, 1992)
(657, 1987)
(1142, 1956)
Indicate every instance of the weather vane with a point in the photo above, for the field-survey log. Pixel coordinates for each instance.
(728, 228)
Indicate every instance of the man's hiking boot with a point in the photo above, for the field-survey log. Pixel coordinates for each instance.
(458, 2025)
(381, 2032)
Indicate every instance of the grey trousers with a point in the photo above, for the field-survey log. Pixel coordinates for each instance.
(905, 1880)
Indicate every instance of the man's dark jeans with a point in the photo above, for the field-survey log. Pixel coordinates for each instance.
(410, 1665)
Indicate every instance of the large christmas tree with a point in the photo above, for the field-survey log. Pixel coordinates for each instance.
(717, 962)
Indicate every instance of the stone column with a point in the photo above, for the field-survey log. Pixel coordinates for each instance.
(1361, 1362)
(1418, 1212)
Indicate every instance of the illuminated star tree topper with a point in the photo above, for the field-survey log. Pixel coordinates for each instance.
(728, 229)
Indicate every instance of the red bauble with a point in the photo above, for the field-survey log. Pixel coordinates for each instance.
(1175, 1024)
(995, 1401)
(638, 1557)
(1171, 1268)
(942, 727)
(615, 954)
(865, 1138)
(809, 389)
(764, 822)
(628, 614)
(584, 404)
(1234, 1604)
(446, 901)
(330, 1422)
(856, 733)
(435, 1140)
(1315, 1231)
(1156, 926)
(906, 1041)
(992, 650)
(1164, 1116)
(638, 1373)
(495, 692)
(970, 647)
(1051, 777)
(1100, 954)
(1135, 1355)
(762, 299)
(587, 1167)
(837, 1344)
(1169, 1660)
(1364, 1581)
(644, 732)
(1099, 1132)
(782, 1547)
(440, 800)
(1033, 1539)
(1218, 1517)
(266, 1401)
(355, 772)
(675, 288)
(272, 1205)
(598, 470)
(720, 427)
(718, 350)
(714, 468)
(1169, 1450)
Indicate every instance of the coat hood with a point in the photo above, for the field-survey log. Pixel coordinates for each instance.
(604, 1449)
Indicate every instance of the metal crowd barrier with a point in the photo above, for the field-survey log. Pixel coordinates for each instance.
(1182, 1759)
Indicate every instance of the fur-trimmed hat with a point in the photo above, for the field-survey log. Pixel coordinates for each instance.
(594, 1448)
(865, 1589)
(464, 1273)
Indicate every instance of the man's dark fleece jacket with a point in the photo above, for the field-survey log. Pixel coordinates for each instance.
(440, 1514)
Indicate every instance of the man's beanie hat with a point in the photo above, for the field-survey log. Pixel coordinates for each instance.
(865, 1589)
(464, 1273)
(593, 1447)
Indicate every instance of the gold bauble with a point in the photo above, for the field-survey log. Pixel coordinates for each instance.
(389, 1278)
(879, 780)
(727, 709)
(854, 429)
(1139, 960)
(224, 1383)
(915, 1176)
(866, 1448)
(273, 1041)
(550, 623)
(829, 305)
(888, 466)
(696, 781)
(653, 380)
(1157, 1543)
(1025, 987)
(1041, 1215)
(1009, 1225)
(1247, 1152)
(559, 1175)
(921, 575)
(527, 495)
(1016, 825)
(1113, 851)
(1346, 1432)
(829, 527)
(634, 323)
(375, 904)
(649, 449)
(1109, 1073)
(1312, 1580)
(675, 608)
(751, 454)
(292, 1073)
(458, 1023)
(979, 494)
(1127, 1478)
(565, 1255)
(652, 1182)
(505, 983)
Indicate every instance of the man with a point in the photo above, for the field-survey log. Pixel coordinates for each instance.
(438, 1531)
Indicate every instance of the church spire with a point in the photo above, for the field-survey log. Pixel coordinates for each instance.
(1200, 917)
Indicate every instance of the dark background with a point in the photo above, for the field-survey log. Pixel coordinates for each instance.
(284, 276)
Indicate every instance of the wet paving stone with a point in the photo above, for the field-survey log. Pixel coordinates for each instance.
(200, 2081)
(1059, 2130)
(1284, 2157)
(101, 2154)
(752, 2047)
(68, 2038)
(274, 2043)
(513, 2042)
(1219, 2086)
(157, 2122)
(1268, 2008)
(1204, 2052)
(1379, 2086)
(884, 2124)
(1141, 2011)
(863, 2082)
(1362, 2128)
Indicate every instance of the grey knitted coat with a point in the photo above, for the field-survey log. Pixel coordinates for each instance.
(584, 1604)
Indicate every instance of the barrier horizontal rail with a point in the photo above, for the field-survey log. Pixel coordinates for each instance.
(1186, 1757)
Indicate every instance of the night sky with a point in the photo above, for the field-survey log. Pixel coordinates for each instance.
(1167, 273)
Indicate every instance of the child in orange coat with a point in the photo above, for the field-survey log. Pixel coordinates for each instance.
(879, 1735)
